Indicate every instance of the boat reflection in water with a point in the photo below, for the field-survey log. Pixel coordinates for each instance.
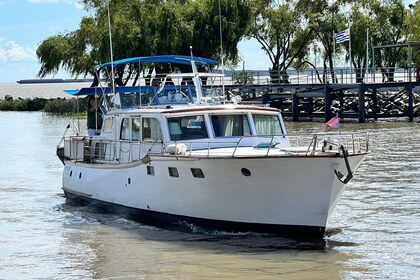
(116, 247)
(179, 152)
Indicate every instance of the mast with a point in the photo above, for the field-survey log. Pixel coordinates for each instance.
(221, 50)
(110, 47)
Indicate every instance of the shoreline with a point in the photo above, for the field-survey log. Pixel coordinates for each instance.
(39, 90)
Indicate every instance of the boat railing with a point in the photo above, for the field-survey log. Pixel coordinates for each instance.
(354, 143)
(91, 150)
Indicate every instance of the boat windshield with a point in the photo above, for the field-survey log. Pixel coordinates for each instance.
(188, 127)
(176, 94)
(267, 124)
(230, 125)
(132, 96)
(135, 99)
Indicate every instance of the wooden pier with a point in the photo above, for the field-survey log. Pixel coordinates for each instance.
(360, 101)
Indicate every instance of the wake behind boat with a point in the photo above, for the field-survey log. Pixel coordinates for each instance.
(177, 151)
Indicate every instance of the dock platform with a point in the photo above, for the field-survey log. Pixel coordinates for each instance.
(360, 101)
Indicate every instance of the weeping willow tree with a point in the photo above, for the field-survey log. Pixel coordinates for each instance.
(143, 28)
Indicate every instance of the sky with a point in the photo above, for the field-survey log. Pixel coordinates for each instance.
(24, 24)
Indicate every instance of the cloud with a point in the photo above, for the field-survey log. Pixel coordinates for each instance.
(11, 52)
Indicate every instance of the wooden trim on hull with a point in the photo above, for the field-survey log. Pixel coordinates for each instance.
(165, 220)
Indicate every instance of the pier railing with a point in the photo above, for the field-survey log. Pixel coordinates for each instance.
(322, 76)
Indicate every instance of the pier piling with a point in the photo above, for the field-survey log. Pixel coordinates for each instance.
(360, 101)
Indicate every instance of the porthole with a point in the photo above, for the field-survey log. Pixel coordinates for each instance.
(246, 172)
(197, 172)
(71, 172)
(173, 172)
(80, 175)
(150, 170)
(129, 180)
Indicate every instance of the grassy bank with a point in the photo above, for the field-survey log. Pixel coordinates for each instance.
(55, 106)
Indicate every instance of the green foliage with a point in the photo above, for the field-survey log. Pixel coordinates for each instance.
(243, 77)
(289, 32)
(416, 33)
(27, 104)
(326, 19)
(63, 106)
(145, 27)
(52, 106)
(282, 31)
(389, 25)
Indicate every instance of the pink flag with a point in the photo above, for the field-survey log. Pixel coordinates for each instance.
(334, 122)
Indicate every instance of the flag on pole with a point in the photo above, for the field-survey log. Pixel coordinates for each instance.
(342, 36)
(334, 122)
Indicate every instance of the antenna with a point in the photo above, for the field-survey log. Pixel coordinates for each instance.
(221, 50)
(110, 46)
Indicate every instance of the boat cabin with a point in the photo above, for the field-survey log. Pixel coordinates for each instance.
(130, 135)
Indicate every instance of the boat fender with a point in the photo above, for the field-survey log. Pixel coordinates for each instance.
(146, 159)
(176, 149)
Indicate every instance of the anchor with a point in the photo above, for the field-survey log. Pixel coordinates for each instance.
(339, 175)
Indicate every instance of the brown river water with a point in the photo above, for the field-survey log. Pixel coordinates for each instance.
(374, 232)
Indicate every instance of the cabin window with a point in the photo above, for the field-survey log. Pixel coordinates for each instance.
(108, 124)
(125, 129)
(173, 172)
(230, 125)
(267, 124)
(135, 129)
(189, 127)
(151, 129)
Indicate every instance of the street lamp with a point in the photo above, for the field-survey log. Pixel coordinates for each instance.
(411, 6)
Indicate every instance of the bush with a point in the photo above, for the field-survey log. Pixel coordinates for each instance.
(63, 106)
(23, 104)
(51, 106)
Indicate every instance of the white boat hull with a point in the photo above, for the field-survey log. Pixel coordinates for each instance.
(282, 194)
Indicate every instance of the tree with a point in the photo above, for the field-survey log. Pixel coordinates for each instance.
(361, 18)
(389, 28)
(203, 17)
(326, 20)
(415, 21)
(282, 32)
(142, 28)
(69, 51)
